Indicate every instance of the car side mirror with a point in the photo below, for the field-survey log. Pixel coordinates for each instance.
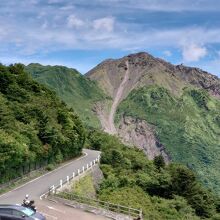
(23, 216)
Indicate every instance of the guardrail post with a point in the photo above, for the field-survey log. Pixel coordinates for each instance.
(49, 190)
(78, 171)
(83, 169)
(87, 166)
(53, 189)
(141, 215)
(91, 164)
(98, 158)
(73, 174)
(61, 184)
(68, 179)
(94, 162)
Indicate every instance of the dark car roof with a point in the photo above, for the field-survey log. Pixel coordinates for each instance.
(15, 206)
(20, 207)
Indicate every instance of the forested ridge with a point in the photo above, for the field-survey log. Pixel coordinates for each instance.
(34, 124)
(72, 87)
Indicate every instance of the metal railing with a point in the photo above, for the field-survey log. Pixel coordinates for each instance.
(56, 192)
(59, 185)
(95, 203)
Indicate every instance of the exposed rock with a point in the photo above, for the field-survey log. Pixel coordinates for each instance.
(97, 176)
(139, 133)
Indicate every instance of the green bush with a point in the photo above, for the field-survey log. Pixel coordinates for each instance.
(50, 167)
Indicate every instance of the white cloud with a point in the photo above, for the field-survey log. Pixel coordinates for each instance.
(167, 53)
(74, 22)
(54, 1)
(193, 52)
(44, 25)
(105, 24)
(161, 5)
(211, 66)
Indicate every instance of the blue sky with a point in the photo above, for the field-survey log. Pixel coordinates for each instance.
(82, 33)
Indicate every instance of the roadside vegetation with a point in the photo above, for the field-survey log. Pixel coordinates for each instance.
(161, 191)
(84, 187)
(34, 124)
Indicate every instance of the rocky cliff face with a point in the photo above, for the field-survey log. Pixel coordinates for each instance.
(118, 78)
(137, 132)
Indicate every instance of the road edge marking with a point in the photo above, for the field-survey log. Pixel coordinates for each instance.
(31, 181)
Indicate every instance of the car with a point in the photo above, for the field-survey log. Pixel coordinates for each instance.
(18, 212)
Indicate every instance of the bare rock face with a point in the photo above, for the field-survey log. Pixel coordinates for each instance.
(144, 69)
(200, 79)
(139, 133)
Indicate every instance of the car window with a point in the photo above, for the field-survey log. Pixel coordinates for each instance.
(6, 211)
(27, 211)
(17, 213)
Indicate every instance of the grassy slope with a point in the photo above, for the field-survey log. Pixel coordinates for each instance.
(73, 88)
(188, 126)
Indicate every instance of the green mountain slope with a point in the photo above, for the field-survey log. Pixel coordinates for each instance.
(189, 126)
(73, 88)
(34, 124)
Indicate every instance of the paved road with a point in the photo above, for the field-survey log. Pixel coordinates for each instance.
(37, 187)
(57, 211)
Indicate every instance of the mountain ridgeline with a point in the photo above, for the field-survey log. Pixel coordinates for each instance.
(163, 109)
(77, 91)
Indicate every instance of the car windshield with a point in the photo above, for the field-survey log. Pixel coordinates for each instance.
(27, 211)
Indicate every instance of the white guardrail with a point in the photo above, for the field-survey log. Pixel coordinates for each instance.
(70, 177)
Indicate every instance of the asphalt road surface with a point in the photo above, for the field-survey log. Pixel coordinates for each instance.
(40, 185)
(57, 211)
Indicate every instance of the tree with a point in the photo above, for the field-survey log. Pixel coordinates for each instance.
(159, 161)
(183, 180)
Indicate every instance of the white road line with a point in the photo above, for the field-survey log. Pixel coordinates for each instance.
(45, 175)
(50, 207)
(50, 216)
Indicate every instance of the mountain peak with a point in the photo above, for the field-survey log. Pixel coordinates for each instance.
(145, 69)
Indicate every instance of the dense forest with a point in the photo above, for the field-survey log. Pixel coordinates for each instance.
(161, 191)
(34, 124)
